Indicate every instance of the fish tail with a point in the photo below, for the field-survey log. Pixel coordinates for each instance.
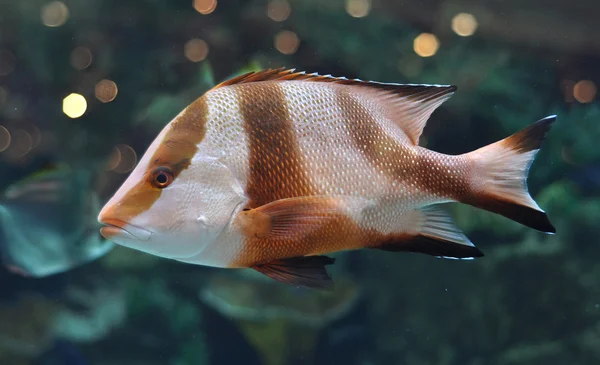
(499, 178)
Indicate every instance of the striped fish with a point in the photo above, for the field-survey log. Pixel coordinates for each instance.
(272, 170)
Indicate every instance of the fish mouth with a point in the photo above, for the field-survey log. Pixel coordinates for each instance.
(118, 228)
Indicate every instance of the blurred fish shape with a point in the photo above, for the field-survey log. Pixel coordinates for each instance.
(292, 317)
(273, 169)
(48, 223)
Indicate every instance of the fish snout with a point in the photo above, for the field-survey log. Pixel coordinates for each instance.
(115, 227)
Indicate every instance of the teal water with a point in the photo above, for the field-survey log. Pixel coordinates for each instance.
(86, 85)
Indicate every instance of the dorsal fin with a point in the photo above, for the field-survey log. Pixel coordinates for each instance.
(408, 105)
(280, 74)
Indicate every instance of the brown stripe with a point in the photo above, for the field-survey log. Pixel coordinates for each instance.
(425, 169)
(175, 151)
(276, 171)
(180, 143)
(275, 168)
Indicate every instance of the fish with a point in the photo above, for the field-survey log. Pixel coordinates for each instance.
(276, 169)
(48, 224)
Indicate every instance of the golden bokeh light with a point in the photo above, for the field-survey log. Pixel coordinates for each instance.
(287, 42)
(81, 58)
(358, 8)
(205, 6)
(54, 14)
(7, 62)
(4, 138)
(426, 45)
(106, 90)
(278, 10)
(195, 50)
(74, 105)
(585, 91)
(127, 160)
(464, 24)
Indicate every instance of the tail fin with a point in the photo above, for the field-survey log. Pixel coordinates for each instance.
(499, 180)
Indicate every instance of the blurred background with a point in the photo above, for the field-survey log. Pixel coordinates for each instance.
(85, 86)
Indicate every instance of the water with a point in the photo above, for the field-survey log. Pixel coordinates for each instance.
(86, 85)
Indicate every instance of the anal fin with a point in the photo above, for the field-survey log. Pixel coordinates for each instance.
(306, 271)
(432, 232)
(432, 246)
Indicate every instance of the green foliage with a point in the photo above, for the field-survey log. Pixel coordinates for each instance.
(151, 300)
(533, 299)
(193, 351)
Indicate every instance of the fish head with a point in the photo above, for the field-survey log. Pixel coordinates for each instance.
(179, 197)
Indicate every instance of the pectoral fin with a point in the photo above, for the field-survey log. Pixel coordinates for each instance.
(295, 218)
(307, 271)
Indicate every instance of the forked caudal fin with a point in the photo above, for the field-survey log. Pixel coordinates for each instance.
(499, 179)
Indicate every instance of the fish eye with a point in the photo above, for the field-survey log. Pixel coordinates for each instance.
(162, 177)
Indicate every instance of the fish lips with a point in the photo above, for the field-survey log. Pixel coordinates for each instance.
(114, 228)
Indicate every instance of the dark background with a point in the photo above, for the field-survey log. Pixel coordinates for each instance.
(533, 299)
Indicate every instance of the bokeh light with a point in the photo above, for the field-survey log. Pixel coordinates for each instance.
(278, 10)
(205, 6)
(585, 91)
(287, 42)
(464, 24)
(565, 153)
(127, 160)
(426, 45)
(106, 90)
(20, 144)
(81, 58)
(4, 138)
(54, 14)
(36, 136)
(7, 62)
(74, 105)
(196, 50)
(358, 8)
(567, 87)
(114, 159)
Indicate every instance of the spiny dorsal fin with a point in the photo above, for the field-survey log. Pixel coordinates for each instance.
(280, 74)
(408, 105)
